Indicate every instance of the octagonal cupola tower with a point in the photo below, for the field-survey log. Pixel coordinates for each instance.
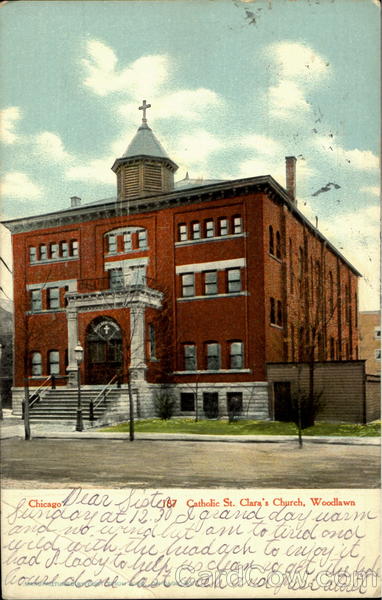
(145, 168)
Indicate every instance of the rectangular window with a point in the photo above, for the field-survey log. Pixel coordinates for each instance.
(32, 254)
(196, 231)
(36, 303)
(213, 356)
(43, 252)
(209, 229)
(272, 316)
(182, 232)
(127, 242)
(36, 364)
(378, 354)
(223, 227)
(53, 297)
(64, 249)
(187, 402)
(210, 283)
(234, 280)
(54, 362)
(138, 275)
(112, 243)
(188, 285)
(74, 245)
(152, 341)
(377, 333)
(189, 357)
(237, 226)
(54, 251)
(236, 358)
(211, 404)
(142, 239)
(116, 279)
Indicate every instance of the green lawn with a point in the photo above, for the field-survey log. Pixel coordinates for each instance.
(242, 427)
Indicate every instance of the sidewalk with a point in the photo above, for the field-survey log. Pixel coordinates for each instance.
(12, 427)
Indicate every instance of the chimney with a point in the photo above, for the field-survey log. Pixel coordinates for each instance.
(290, 164)
(75, 201)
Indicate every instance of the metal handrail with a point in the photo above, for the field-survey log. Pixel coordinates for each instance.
(102, 397)
(36, 393)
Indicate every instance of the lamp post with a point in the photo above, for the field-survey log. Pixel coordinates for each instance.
(79, 354)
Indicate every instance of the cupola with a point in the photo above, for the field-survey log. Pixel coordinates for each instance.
(145, 168)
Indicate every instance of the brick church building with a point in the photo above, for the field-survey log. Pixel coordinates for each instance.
(194, 287)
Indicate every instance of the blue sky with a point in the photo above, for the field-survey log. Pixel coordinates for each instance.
(234, 87)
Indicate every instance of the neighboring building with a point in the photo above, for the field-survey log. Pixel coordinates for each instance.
(6, 354)
(195, 288)
(370, 340)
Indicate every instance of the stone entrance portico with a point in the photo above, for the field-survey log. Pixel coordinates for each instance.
(137, 299)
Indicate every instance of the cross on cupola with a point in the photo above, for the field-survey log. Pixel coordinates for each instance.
(144, 107)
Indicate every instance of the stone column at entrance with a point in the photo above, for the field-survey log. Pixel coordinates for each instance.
(71, 315)
(137, 346)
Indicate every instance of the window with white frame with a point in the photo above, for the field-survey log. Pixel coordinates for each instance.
(195, 230)
(213, 356)
(188, 285)
(209, 228)
(64, 249)
(142, 239)
(210, 283)
(112, 243)
(43, 252)
(127, 241)
(189, 357)
(54, 362)
(36, 303)
(54, 250)
(237, 224)
(223, 226)
(236, 357)
(74, 247)
(182, 232)
(234, 280)
(32, 254)
(116, 279)
(53, 297)
(36, 364)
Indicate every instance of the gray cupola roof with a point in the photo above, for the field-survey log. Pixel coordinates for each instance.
(144, 143)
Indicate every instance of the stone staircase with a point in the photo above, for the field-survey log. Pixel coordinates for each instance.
(61, 405)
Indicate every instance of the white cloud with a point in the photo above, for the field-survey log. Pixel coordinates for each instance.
(142, 77)
(262, 144)
(190, 105)
(8, 121)
(194, 149)
(363, 160)
(295, 60)
(50, 146)
(287, 100)
(371, 189)
(96, 171)
(19, 185)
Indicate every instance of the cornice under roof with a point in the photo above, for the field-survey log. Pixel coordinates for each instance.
(111, 207)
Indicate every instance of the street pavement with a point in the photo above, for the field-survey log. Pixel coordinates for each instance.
(104, 460)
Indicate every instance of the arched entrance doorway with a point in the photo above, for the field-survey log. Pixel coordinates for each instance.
(103, 350)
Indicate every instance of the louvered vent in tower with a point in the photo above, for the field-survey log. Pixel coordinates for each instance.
(152, 178)
(131, 180)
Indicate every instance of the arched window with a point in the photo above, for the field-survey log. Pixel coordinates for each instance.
(54, 362)
(236, 357)
(36, 364)
(271, 240)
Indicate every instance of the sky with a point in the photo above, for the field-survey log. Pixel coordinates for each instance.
(235, 86)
